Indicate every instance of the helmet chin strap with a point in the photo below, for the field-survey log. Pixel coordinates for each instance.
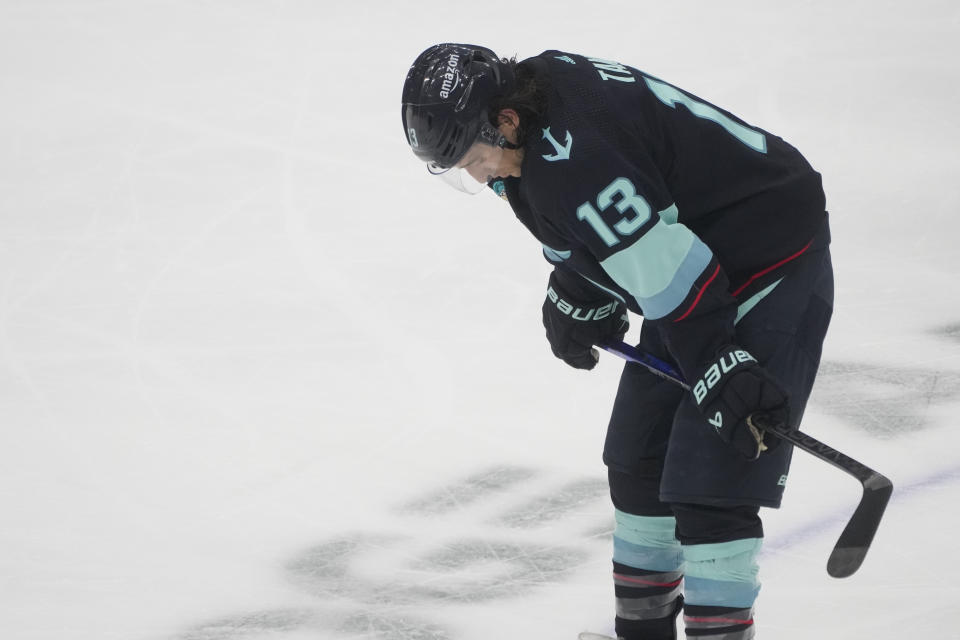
(502, 141)
(496, 138)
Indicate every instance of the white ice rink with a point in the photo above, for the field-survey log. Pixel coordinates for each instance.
(262, 378)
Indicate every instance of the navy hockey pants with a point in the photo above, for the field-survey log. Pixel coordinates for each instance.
(659, 449)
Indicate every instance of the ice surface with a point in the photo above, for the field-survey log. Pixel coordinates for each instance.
(262, 377)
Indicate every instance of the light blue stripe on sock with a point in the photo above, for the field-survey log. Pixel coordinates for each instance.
(650, 531)
(723, 574)
(728, 560)
(646, 542)
(718, 593)
(649, 558)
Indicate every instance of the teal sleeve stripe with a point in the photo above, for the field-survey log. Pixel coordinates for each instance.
(649, 558)
(660, 268)
(754, 300)
(553, 255)
(671, 214)
(718, 593)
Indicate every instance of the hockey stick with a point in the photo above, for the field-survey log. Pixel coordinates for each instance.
(851, 548)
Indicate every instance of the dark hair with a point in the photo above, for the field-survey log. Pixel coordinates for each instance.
(528, 98)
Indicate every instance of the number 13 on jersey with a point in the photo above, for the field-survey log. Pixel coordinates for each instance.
(623, 195)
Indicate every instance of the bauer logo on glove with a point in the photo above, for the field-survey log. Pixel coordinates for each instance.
(578, 313)
(727, 363)
(731, 389)
(576, 316)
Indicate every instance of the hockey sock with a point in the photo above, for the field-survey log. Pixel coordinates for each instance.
(721, 587)
(647, 574)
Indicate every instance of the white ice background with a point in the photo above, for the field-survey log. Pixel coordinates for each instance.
(261, 377)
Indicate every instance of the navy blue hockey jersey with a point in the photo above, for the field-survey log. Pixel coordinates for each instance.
(665, 201)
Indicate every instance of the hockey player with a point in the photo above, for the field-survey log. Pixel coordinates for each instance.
(649, 199)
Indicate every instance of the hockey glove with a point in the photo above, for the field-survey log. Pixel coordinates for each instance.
(574, 324)
(730, 389)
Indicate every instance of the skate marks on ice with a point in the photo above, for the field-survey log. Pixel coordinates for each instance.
(468, 491)
(885, 401)
(491, 535)
(950, 332)
(254, 625)
(314, 623)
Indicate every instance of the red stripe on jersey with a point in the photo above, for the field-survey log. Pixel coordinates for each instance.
(769, 269)
(699, 295)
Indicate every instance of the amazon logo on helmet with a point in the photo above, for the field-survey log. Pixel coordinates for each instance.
(451, 77)
(445, 98)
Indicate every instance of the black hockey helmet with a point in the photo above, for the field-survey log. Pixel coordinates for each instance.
(445, 100)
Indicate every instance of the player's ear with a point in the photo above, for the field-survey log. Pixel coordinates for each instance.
(508, 117)
(508, 122)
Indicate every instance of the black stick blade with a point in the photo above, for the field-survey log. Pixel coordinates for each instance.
(851, 548)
